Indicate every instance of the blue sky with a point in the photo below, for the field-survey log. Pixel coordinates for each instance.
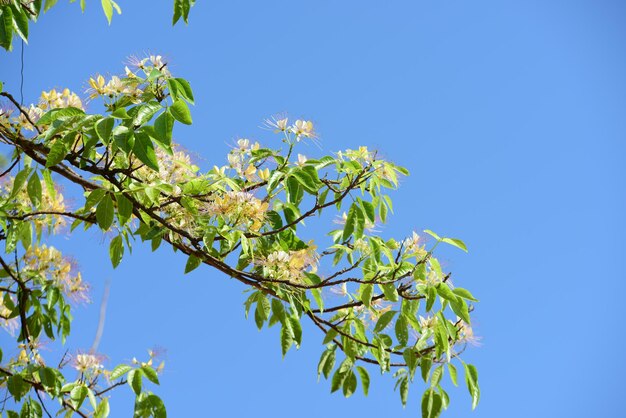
(510, 117)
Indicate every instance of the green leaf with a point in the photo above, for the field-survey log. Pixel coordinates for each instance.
(149, 405)
(119, 371)
(163, 126)
(144, 150)
(134, 380)
(366, 294)
(104, 212)
(455, 242)
(123, 137)
(471, 379)
(151, 374)
(436, 376)
(286, 338)
(326, 363)
(34, 189)
(102, 411)
(120, 113)
(78, 395)
(184, 89)
(94, 198)
(20, 21)
(464, 293)
(18, 182)
(181, 113)
(365, 379)
(432, 234)
(460, 308)
(59, 114)
(348, 228)
(330, 335)
(145, 112)
(384, 320)
(349, 384)
(192, 263)
(425, 365)
(431, 404)
(49, 4)
(296, 328)
(17, 387)
(337, 380)
(453, 374)
(107, 7)
(445, 292)
(368, 209)
(390, 291)
(404, 390)
(57, 153)
(31, 409)
(124, 208)
(116, 250)
(306, 181)
(402, 330)
(103, 128)
(6, 28)
(410, 357)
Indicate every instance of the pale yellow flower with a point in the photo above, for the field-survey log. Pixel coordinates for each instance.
(303, 128)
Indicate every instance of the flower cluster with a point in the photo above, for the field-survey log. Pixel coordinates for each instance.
(174, 168)
(238, 208)
(49, 261)
(466, 334)
(413, 245)
(51, 203)
(150, 62)
(48, 100)
(6, 322)
(361, 155)
(290, 266)
(54, 100)
(238, 159)
(300, 128)
(131, 84)
(115, 86)
(88, 364)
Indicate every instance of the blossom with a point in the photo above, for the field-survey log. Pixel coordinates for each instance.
(239, 156)
(87, 363)
(9, 324)
(363, 154)
(290, 266)
(55, 100)
(49, 262)
(412, 246)
(276, 123)
(301, 160)
(115, 86)
(51, 201)
(466, 334)
(240, 208)
(34, 114)
(174, 168)
(428, 322)
(303, 128)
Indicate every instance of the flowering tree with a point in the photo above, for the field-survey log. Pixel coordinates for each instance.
(399, 312)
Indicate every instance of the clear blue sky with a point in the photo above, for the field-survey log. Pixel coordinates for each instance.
(511, 118)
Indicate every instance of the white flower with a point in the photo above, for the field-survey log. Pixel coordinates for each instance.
(87, 363)
(301, 160)
(303, 128)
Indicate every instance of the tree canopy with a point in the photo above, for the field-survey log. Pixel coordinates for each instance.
(399, 313)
